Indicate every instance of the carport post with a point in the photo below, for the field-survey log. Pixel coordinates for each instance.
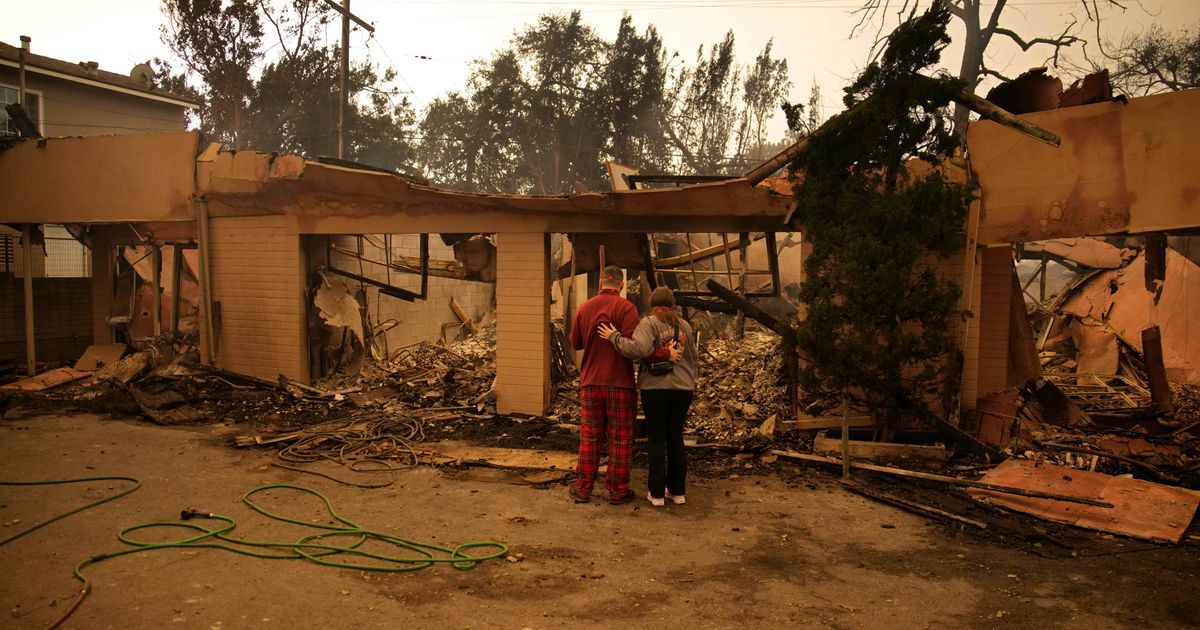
(27, 269)
(156, 286)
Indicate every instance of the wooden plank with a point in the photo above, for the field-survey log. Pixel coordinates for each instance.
(954, 481)
(706, 253)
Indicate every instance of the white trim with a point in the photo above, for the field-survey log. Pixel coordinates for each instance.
(100, 84)
(41, 104)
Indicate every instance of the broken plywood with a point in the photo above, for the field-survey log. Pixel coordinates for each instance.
(1088, 251)
(339, 307)
(99, 355)
(1141, 509)
(1120, 168)
(46, 380)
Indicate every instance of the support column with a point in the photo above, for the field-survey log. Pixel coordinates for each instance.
(207, 347)
(27, 273)
(995, 293)
(522, 323)
(156, 287)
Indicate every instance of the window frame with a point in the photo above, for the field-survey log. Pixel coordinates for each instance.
(41, 121)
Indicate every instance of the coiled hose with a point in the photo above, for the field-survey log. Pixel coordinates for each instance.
(318, 547)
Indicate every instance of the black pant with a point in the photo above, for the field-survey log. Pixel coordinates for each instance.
(666, 410)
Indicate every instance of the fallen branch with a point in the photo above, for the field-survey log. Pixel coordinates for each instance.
(804, 457)
(911, 506)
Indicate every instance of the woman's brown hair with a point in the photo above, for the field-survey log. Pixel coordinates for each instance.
(662, 302)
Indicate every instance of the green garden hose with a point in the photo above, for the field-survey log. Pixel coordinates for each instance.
(136, 484)
(317, 547)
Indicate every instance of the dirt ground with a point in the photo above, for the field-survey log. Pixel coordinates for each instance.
(755, 550)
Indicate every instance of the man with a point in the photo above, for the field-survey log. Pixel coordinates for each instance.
(607, 390)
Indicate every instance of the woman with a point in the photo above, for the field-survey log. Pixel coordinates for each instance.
(666, 390)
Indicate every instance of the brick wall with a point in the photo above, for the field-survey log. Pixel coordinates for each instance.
(257, 275)
(522, 323)
(420, 320)
(62, 318)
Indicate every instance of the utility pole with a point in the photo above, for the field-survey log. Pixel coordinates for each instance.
(343, 80)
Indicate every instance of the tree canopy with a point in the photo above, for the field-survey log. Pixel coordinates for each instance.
(541, 115)
(545, 113)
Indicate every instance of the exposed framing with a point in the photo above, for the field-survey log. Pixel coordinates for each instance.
(385, 287)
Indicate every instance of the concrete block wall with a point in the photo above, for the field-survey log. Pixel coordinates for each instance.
(420, 320)
(62, 318)
(522, 323)
(257, 275)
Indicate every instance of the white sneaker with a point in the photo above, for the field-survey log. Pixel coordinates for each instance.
(655, 502)
(677, 500)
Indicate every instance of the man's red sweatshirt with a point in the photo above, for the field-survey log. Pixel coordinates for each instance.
(602, 364)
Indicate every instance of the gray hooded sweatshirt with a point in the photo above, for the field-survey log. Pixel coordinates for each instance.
(650, 333)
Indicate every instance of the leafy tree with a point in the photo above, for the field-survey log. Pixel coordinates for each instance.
(286, 102)
(766, 85)
(630, 96)
(559, 129)
(878, 321)
(704, 112)
(219, 41)
(545, 113)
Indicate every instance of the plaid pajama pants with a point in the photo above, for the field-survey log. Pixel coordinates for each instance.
(608, 415)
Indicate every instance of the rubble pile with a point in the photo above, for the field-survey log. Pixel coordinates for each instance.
(1091, 407)
(737, 388)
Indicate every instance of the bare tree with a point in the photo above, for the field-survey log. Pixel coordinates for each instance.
(982, 27)
(1155, 60)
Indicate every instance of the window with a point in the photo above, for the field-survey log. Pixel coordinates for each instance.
(33, 107)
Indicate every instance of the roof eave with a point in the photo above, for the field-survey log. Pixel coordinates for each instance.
(101, 84)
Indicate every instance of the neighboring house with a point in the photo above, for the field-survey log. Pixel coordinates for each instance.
(64, 98)
(80, 99)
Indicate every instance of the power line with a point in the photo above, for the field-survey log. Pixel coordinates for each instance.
(416, 96)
